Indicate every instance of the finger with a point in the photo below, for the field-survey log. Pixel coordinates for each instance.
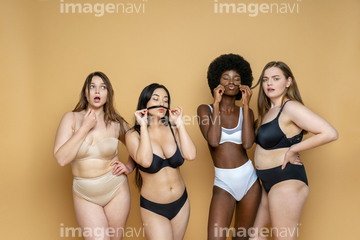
(284, 165)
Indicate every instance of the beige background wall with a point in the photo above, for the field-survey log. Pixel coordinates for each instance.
(46, 55)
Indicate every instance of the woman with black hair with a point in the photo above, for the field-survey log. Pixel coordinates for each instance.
(159, 143)
(229, 131)
(88, 138)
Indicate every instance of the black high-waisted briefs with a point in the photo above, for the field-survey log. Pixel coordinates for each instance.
(270, 177)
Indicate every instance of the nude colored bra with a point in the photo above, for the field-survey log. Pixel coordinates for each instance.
(104, 149)
(233, 134)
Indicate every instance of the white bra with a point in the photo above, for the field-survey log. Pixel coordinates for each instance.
(234, 134)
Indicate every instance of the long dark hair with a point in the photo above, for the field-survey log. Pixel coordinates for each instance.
(144, 98)
(292, 92)
(110, 113)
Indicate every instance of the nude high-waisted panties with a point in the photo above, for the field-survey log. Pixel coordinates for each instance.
(100, 190)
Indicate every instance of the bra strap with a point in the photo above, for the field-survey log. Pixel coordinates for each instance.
(283, 106)
(74, 122)
(173, 133)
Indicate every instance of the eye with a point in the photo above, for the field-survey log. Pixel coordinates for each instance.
(277, 78)
(92, 86)
(103, 87)
(265, 79)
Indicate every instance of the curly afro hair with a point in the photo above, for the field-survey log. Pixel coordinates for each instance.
(225, 63)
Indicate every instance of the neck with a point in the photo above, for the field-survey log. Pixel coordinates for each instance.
(227, 103)
(99, 112)
(276, 102)
(155, 122)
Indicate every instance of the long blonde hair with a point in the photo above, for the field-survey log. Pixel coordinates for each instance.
(292, 92)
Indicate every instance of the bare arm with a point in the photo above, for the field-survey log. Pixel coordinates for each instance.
(209, 123)
(187, 147)
(248, 132)
(67, 143)
(139, 146)
(311, 122)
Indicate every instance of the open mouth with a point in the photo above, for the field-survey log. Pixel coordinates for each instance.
(270, 89)
(97, 99)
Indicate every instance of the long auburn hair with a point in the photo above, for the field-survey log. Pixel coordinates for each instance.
(144, 98)
(110, 113)
(292, 92)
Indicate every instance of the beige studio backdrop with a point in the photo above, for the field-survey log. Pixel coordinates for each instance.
(47, 51)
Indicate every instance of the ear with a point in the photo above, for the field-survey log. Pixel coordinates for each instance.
(288, 82)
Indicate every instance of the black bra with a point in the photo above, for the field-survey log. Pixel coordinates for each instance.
(158, 163)
(270, 136)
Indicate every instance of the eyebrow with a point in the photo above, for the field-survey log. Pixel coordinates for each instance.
(157, 95)
(235, 75)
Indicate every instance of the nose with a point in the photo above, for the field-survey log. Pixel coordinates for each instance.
(231, 81)
(97, 90)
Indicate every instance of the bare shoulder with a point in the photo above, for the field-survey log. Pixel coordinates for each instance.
(295, 108)
(203, 109)
(131, 134)
(68, 119)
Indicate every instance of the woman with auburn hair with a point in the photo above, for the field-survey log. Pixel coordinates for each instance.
(229, 132)
(159, 143)
(282, 121)
(88, 138)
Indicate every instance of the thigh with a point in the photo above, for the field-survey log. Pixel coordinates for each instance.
(180, 221)
(156, 227)
(91, 218)
(286, 200)
(246, 210)
(262, 219)
(220, 214)
(117, 211)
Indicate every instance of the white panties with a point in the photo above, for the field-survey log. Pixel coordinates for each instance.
(236, 181)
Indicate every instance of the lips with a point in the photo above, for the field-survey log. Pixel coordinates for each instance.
(270, 89)
(96, 99)
(231, 87)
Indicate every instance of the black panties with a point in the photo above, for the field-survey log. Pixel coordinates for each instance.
(168, 210)
(270, 177)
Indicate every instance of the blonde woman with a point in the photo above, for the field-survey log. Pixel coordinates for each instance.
(282, 121)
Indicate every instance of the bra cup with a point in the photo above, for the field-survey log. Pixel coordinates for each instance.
(105, 149)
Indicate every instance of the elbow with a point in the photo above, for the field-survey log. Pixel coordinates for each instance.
(59, 160)
(191, 157)
(145, 162)
(333, 135)
(62, 164)
(213, 143)
(247, 145)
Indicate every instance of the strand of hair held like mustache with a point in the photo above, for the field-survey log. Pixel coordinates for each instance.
(157, 107)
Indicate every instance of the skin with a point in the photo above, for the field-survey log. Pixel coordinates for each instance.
(283, 204)
(166, 185)
(229, 155)
(88, 125)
